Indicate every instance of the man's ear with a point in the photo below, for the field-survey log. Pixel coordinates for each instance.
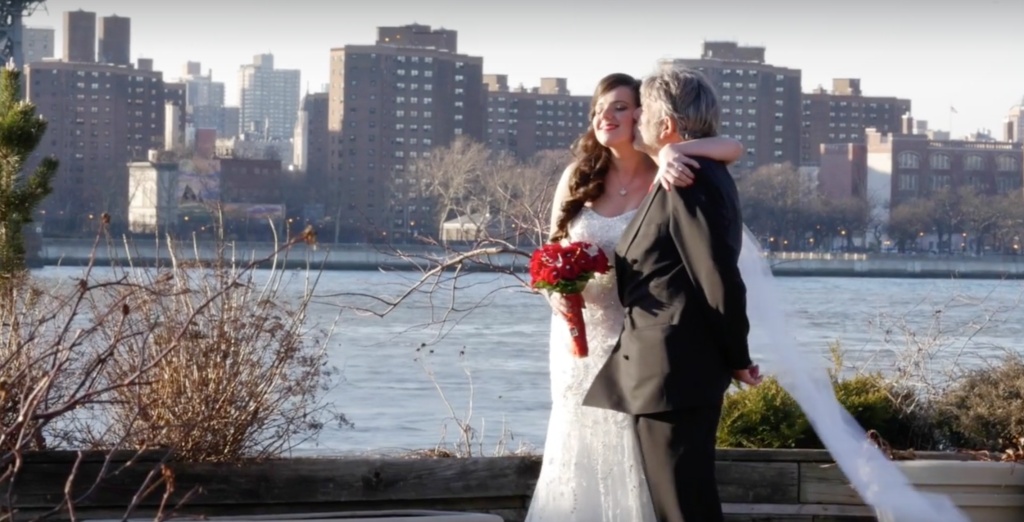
(668, 129)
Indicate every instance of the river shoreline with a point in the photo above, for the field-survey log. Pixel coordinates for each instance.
(66, 252)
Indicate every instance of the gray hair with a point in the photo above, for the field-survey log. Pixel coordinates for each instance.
(687, 97)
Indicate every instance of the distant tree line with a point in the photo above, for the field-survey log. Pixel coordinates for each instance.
(789, 214)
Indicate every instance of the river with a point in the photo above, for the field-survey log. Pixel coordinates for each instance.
(499, 342)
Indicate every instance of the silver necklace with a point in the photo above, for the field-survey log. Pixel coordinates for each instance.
(623, 191)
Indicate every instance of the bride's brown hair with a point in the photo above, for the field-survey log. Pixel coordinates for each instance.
(586, 181)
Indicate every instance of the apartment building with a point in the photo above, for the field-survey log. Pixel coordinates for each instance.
(390, 103)
(101, 117)
(115, 40)
(37, 44)
(761, 103)
(79, 36)
(523, 122)
(840, 115)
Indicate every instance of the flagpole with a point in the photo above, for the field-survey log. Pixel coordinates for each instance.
(951, 120)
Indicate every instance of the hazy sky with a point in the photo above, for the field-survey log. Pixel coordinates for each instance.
(938, 53)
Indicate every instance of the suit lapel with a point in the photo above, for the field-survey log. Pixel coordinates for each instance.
(638, 219)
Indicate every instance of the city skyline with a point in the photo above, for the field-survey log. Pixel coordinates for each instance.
(909, 50)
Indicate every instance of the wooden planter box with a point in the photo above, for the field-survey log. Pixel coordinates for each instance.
(354, 516)
(755, 485)
(985, 491)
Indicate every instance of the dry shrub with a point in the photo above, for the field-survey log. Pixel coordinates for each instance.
(21, 369)
(247, 378)
(216, 363)
(984, 409)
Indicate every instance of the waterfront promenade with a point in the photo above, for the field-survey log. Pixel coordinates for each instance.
(76, 252)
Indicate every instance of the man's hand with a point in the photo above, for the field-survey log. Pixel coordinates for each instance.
(751, 376)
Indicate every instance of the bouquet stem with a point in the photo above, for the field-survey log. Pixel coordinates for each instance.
(577, 326)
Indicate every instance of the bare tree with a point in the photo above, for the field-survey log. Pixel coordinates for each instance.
(777, 202)
(468, 180)
(908, 221)
(453, 177)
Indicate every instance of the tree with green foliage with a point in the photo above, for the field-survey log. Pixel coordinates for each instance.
(21, 131)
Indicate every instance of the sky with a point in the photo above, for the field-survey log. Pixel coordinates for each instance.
(938, 53)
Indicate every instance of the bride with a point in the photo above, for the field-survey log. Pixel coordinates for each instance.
(591, 469)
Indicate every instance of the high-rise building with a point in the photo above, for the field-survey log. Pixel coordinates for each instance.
(390, 104)
(761, 103)
(174, 94)
(524, 121)
(100, 117)
(115, 40)
(230, 122)
(37, 43)
(311, 126)
(1014, 125)
(269, 98)
(205, 100)
(841, 115)
(79, 36)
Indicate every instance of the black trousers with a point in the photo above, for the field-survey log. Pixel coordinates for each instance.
(678, 450)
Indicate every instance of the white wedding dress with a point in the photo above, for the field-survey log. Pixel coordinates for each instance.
(592, 471)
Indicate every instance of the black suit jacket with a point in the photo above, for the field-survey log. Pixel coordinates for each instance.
(678, 278)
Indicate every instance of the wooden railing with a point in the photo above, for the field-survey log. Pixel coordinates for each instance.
(762, 485)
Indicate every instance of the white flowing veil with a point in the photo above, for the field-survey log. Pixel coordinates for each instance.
(804, 376)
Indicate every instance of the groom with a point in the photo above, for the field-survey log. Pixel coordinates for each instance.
(685, 333)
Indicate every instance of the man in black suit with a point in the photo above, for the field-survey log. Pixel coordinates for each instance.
(685, 332)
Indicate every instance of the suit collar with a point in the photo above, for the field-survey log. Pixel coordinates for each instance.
(638, 219)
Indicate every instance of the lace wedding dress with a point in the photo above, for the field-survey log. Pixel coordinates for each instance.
(592, 469)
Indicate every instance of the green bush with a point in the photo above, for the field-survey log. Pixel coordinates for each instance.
(767, 417)
(762, 417)
(984, 409)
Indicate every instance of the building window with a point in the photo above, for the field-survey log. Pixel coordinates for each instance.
(1006, 184)
(908, 181)
(909, 160)
(940, 161)
(940, 182)
(1007, 164)
(974, 162)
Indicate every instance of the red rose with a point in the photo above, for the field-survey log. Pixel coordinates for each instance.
(569, 271)
(549, 275)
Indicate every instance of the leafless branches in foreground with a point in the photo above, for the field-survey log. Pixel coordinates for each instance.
(210, 362)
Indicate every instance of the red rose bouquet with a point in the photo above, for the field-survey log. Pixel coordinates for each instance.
(566, 269)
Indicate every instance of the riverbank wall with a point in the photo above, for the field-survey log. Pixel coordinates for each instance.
(72, 252)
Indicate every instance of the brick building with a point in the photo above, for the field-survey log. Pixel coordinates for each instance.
(79, 36)
(761, 103)
(115, 40)
(391, 103)
(250, 181)
(840, 116)
(100, 117)
(843, 171)
(916, 165)
(524, 121)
